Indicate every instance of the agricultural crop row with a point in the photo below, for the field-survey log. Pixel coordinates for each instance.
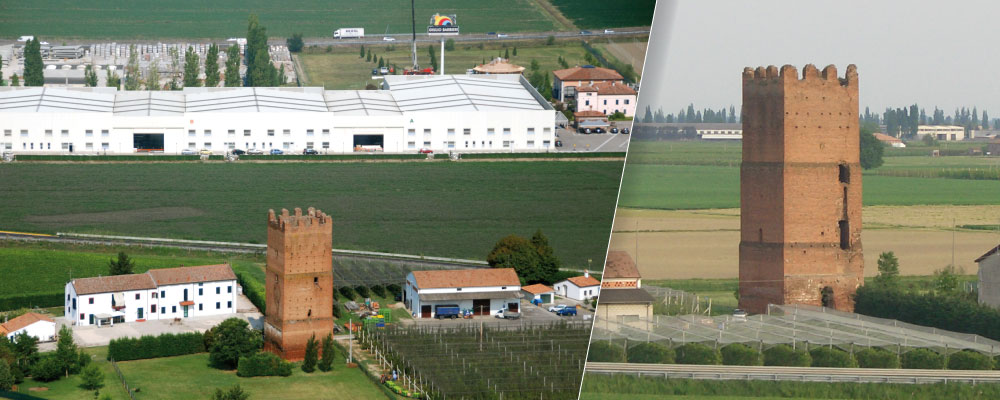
(476, 362)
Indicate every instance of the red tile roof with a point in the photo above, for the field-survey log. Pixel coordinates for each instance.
(584, 281)
(466, 278)
(114, 283)
(588, 73)
(204, 273)
(588, 113)
(537, 288)
(620, 265)
(886, 138)
(608, 88)
(23, 321)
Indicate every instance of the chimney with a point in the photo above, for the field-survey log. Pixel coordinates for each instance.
(586, 273)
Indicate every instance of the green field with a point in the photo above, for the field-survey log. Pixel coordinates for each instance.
(158, 20)
(434, 209)
(696, 175)
(593, 14)
(342, 68)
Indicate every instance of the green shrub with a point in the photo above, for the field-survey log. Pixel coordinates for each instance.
(605, 351)
(263, 364)
(969, 359)
(876, 357)
(378, 290)
(347, 292)
(165, 345)
(955, 313)
(922, 359)
(740, 354)
(253, 290)
(784, 355)
(650, 353)
(362, 291)
(832, 358)
(47, 369)
(697, 353)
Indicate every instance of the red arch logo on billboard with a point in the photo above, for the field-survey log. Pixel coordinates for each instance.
(443, 25)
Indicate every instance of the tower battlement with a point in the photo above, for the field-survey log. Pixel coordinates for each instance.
(810, 75)
(313, 219)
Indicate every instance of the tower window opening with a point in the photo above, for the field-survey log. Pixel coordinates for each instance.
(845, 173)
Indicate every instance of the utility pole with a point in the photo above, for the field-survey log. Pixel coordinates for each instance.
(413, 18)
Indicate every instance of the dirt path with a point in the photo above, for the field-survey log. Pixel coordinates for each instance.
(563, 23)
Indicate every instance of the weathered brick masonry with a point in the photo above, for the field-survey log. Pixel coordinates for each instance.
(800, 188)
(299, 281)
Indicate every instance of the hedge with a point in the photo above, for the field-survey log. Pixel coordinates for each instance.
(938, 311)
(740, 354)
(697, 353)
(365, 156)
(253, 290)
(876, 357)
(922, 359)
(130, 157)
(263, 364)
(560, 154)
(968, 359)
(651, 353)
(783, 355)
(832, 358)
(165, 345)
(54, 299)
(604, 351)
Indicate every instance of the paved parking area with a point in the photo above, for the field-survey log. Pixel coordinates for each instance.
(530, 314)
(573, 141)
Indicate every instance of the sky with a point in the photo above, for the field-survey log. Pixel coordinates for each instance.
(928, 52)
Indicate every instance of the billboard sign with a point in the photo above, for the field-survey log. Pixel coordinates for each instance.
(441, 25)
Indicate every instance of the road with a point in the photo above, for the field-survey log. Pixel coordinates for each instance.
(738, 372)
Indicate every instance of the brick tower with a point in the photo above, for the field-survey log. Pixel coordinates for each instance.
(800, 188)
(299, 281)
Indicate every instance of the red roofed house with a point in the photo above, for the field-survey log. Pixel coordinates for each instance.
(606, 98)
(40, 326)
(579, 288)
(156, 294)
(622, 298)
(889, 140)
(539, 293)
(482, 291)
(568, 80)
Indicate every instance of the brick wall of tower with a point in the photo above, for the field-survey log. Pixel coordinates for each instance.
(299, 281)
(800, 178)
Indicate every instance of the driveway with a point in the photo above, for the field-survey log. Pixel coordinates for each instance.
(581, 142)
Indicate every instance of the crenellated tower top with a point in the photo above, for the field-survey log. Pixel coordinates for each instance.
(313, 220)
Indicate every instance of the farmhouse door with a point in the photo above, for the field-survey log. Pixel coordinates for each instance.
(185, 307)
(138, 313)
(425, 311)
(481, 307)
(513, 307)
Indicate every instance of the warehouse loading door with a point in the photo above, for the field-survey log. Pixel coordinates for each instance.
(147, 142)
(370, 143)
(481, 307)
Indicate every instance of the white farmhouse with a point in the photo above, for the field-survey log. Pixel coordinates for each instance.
(579, 288)
(42, 327)
(156, 294)
(481, 291)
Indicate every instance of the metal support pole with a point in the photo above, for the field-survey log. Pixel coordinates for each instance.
(442, 55)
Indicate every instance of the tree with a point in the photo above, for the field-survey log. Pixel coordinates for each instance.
(326, 362)
(381, 62)
(14, 81)
(518, 253)
(112, 80)
(535, 66)
(33, 74)
(514, 53)
(434, 60)
(369, 57)
(449, 45)
(648, 118)
(548, 263)
(47, 369)
(234, 393)
(362, 51)
(234, 338)
(6, 376)
(888, 271)
(506, 54)
(153, 77)
(123, 265)
(212, 66)
(309, 363)
(946, 280)
(260, 72)
(233, 66)
(191, 68)
(175, 69)
(92, 377)
(551, 40)
(986, 121)
(871, 148)
(133, 81)
(25, 350)
(89, 76)
(295, 43)
(66, 351)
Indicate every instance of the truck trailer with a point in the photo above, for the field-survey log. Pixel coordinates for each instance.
(349, 33)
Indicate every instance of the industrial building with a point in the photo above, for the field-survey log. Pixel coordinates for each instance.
(463, 113)
(480, 291)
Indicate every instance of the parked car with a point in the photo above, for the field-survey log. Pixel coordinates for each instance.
(599, 130)
(276, 152)
(585, 33)
(584, 130)
(491, 33)
(189, 152)
(448, 311)
(557, 307)
(425, 151)
(383, 70)
(625, 131)
(255, 151)
(310, 152)
(501, 35)
(388, 39)
(558, 143)
(205, 152)
(238, 152)
(567, 312)
(739, 315)
(614, 130)
(507, 314)
(609, 31)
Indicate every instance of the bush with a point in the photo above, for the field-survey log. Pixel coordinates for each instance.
(740, 354)
(92, 378)
(347, 292)
(832, 358)
(953, 313)
(605, 351)
(234, 338)
(312, 354)
(784, 355)
(394, 290)
(876, 358)
(253, 290)
(47, 369)
(922, 359)
(165, 345)
(263, 364)
(969, 359)
(54, 299)
(362, 291)
(697, 353)
(378, 290)
(651, 353)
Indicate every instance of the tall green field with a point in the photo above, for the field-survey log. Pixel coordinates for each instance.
(434, 209)
(592, 14)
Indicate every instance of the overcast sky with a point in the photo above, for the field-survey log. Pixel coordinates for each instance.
(932, 52)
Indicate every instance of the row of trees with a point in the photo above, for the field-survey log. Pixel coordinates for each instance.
(903, 121)
(534, 260)
(20, 358)
(691, 115)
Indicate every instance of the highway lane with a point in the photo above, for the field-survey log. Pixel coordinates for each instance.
(736, 372)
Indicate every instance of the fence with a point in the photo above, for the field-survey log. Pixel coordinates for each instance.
(121, 377)
(678, 302)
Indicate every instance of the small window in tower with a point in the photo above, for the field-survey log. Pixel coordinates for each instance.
(309, 313)
(845, 234)
(315, 279)
(845, 173)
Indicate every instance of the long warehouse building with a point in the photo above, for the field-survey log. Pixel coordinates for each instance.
(463, 113)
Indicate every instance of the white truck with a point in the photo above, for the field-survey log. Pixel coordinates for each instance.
(346, 33)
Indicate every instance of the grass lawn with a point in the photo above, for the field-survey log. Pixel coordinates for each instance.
(435, 209)
(157, 20)
(69, 388)
(342, 68)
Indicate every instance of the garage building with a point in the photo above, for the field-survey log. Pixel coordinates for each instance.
(481, 291)
(463, 113)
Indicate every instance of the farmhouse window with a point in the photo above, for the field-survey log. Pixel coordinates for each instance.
(200, 306)
(246, 132)
(232, 131)
(208, 132)
(81, 316)
(309, 132)
(229, 289)
(173, 309)
(152, 309)
(218, 305)
(466, 131)
(229, 304)
(218, 290)
(163, 310)
(163, 293)
(137, 296)
(91, 300)
(201, 291)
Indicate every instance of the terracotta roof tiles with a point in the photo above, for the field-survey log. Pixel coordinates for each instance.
(204, 273)
(620, 265)
(538, 288)
(587, 73)
(23, 321)
(584, 281)
(466, 278)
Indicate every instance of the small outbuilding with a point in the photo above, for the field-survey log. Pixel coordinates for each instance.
(538, 293)
(579, 288)
(42, 327)
(475, 291)
(989, 277)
